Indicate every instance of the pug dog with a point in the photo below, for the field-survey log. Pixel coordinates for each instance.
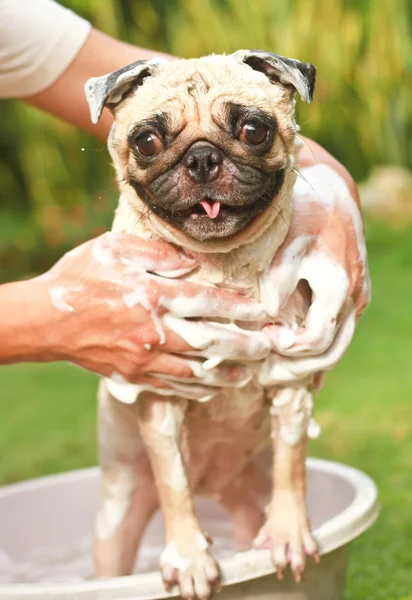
(205, 153)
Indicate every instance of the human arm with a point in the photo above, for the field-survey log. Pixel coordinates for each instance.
(314, 154)
(99, 55)
(47, 53)
(325, 246)
(102, 305)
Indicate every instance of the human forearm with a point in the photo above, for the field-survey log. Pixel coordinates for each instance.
(313, 154)
(25, 323)
(65, 99)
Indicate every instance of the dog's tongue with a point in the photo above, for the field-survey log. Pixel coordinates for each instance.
(211, 208)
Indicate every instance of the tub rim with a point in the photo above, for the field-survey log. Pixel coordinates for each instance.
(243, 566)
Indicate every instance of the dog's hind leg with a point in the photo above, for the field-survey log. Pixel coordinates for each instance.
(128, 496)
(186, 560)
(124, 512)
(243, 499)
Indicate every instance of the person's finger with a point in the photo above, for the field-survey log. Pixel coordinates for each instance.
(219, 341)
(330, 286)
(279, 370)
(219, 376)
(363, 297)
(191, 300)
(278, 282)
(134, 253)
(127, 392)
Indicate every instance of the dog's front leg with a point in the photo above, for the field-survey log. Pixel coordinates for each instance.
(186, 559)
(287, 530)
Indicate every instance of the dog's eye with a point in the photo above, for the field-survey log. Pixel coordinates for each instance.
(253, 133)
(148, 144)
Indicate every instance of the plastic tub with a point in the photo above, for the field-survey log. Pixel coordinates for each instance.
(45, 541)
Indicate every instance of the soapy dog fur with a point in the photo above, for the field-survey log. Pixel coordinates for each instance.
(204, 152)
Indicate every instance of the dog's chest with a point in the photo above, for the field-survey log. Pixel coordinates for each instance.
(240, 273)
(243, 270)
(236, 409)
(232, 413)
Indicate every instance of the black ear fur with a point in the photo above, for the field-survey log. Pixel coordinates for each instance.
(279, 69)
(112, 88)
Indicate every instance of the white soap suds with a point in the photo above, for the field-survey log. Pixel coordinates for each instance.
(310, 256)
(176, 477)
(56, 294)
(211, 363)
(174, 273)
(172, 422)
(115, 504)
(276, 283)
(129, 392)
(220, 341)
(207, 305)
(139, 296)
(296, 423)
(282, 398)
(277, 370)
(121, 389)
(159, 327)
(140, 263)
(208, 376)
(170, 427)
(75, 252)
(286, 338)
(171, 557)
(201, 541)
(104, 255)
(314, 429)
(330, 189)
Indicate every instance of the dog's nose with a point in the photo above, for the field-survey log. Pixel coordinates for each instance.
(203, 163)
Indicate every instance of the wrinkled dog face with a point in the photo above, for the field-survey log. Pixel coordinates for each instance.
(205, 143)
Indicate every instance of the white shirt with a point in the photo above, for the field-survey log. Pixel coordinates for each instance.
(38, 41)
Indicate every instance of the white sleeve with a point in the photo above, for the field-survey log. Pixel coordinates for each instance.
(38, 41)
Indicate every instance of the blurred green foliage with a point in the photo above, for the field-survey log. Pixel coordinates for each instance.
(57, 184)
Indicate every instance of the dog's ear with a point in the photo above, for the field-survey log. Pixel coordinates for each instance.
(279, 69)
(110, 89)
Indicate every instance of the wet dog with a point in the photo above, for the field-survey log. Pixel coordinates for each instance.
(204, 152)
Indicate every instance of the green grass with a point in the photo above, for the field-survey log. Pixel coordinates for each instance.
(48, 415)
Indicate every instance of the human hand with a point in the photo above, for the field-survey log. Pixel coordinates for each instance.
(110, 298)
(325, 246)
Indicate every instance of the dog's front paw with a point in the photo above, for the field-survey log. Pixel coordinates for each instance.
(188, 562)
(287, 534)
